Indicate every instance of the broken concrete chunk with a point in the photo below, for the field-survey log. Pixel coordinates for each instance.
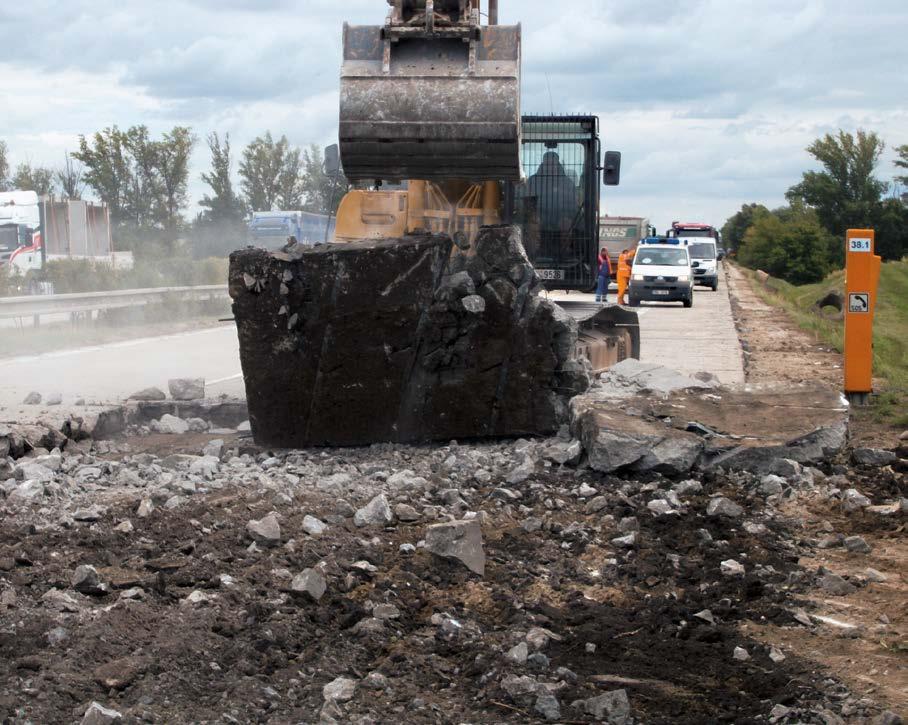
(522, 471)
(877, 577)
(54, 399)
(266, 531)
(547, 706)
(854, 500)
(33, 398)
(214, 448)
(314, 526)
(340, 689)
(518, 653)
(772, 485)
(460, 540)
(376, 513)
(563, 452)
(660, 507)
(405, 512)
(310, 582)
(187, 388)
(741, 654)
(520, 688)
(856, 544)
(835, 585)
(730, 567)
(474, 304)
(85, 579)
(877, 457)
(148, 394)
(612, 707)
(97, 714)
(721, 506)
(170, 424)
(629, 541)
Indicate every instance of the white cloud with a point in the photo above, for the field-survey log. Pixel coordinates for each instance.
(712, 102)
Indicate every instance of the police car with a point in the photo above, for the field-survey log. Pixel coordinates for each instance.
(661, 272)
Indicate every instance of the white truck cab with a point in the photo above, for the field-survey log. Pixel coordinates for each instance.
(702, 240)
(661, 272)
(20, 231)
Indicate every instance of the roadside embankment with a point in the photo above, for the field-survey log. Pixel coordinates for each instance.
(794, 333)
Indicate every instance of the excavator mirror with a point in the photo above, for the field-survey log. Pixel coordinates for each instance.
(611, 168)
(332, 159)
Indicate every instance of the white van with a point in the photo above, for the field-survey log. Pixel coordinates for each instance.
(661, 273)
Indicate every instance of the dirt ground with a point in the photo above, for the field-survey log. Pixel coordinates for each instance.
(777, 350)
(198, 626)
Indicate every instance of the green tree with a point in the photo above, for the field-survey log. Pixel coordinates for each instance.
(144, 193)
(737, 225)
(902, 163)
(70, 179)
(260, 171)
(34, 178)
(107, 169)
(290, 181)
(173, 153)
(846, 192)
(4, 166)
(323, 192)
(890, 224)
(797, 250)
(223, 204)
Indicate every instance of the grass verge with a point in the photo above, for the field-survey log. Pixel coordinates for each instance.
(890, 329)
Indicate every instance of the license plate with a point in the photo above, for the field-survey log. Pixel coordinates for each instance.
(550, 273)
(660, 291)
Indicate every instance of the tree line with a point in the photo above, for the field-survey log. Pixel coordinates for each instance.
(144, 181)
(803, 241)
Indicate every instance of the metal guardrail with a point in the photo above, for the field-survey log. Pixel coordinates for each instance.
(36, 305)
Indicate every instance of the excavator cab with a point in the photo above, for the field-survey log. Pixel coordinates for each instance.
(432, 94)
(558, 206)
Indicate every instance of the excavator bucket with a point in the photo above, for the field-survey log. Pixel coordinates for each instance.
(430, 96)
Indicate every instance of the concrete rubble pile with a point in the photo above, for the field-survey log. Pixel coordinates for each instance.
(399, 341)
(493, 581)
(642, 417)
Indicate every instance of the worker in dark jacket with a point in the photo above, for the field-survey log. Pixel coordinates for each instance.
(605, 275)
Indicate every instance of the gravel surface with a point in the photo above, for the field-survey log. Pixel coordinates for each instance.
(448, 583)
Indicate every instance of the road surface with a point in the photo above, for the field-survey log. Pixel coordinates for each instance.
(690, 340)
(111, 372)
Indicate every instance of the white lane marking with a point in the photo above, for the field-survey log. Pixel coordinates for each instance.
(109, 346)
(223, 380)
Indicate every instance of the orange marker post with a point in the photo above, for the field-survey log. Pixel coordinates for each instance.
(862, 275)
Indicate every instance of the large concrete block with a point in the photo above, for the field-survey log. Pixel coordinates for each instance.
(398, 340)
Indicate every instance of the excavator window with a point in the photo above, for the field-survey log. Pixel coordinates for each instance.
(558, 205)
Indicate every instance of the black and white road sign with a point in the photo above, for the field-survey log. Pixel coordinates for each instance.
(859, 302)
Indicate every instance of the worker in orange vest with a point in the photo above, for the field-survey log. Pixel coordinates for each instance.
(624, 273)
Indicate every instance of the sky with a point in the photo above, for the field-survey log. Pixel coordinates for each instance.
(711, 102)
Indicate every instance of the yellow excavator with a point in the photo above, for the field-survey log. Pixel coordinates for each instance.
(431, 125)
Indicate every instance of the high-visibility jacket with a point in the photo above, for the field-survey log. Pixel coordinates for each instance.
(624, 264)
